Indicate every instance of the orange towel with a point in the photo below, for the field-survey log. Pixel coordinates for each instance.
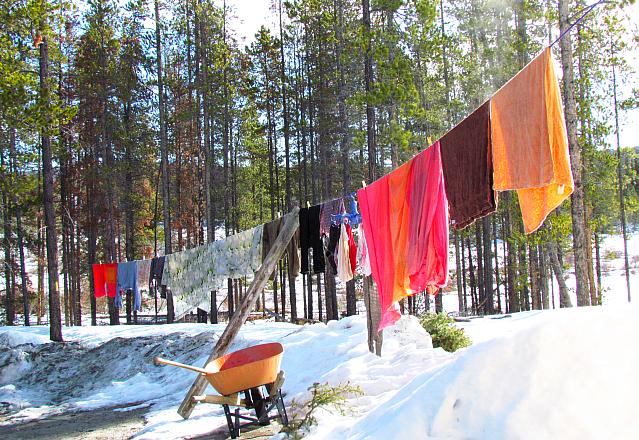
(530, 146)
(398, 183)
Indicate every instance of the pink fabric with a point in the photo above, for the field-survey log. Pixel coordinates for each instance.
(374, 205)
(428, 231)
(405, 221)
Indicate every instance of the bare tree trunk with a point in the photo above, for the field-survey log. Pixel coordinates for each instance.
(368, 81)
(163, 135)
(524, 300)
(55, 322)
(535, 288)
(497, 278)
(564, 298)
(543, 266)
(598, 267)
(19, 232)
(458, 274)
(481, 300)
(473, 282)
(622, 205)
(489, 306)
(577, 205)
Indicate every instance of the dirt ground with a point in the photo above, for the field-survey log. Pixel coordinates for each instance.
(107, 424)
(100, 424)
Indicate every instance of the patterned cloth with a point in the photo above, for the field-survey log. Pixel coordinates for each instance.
(144, 273)
(192, 274)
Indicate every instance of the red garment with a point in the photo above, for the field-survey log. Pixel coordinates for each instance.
(385, 221)
(374, 205)
(104, 279)
(405, 221)
(352, 249)
(428, 232)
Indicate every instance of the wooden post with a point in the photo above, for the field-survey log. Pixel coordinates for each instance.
(170, 313)
(291, 223)
(128, 306)
(213, 306)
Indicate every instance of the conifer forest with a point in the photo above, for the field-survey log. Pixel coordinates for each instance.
(131, 129)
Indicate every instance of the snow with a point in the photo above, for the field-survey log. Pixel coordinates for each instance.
(566, 373)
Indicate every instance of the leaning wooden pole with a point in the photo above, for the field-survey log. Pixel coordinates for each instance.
(291, 223)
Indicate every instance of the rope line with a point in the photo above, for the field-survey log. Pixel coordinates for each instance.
(587, 11)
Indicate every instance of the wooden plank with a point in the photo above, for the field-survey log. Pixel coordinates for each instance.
(233, 399)
(291, 223)
(275, 386)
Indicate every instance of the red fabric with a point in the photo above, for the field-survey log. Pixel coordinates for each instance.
(352, 249)
(405, 221)
(374, 205)
(104, 279)
(428, 231)
(384, 213)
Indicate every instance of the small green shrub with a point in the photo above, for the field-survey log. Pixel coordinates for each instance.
(322, 396)
(611, 254)
(444, 333)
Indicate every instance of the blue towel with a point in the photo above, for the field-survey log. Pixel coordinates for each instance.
(128, 279)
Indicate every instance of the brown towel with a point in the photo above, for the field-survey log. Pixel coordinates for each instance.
(468, 168)
(530, 147)
(270, 233)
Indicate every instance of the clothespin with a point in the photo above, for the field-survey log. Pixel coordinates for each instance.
(308, 204)
(363, 184)
(430, 141)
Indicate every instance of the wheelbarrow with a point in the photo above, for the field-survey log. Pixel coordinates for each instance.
(253, 371)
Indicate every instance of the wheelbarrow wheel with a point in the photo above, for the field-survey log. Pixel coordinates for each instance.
(260, 406)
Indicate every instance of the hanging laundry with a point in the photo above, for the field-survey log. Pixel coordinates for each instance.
(333, 207)
(105, 279)
(310, 238)
(128, 279)
(144, 273)
(331, 246)
(384, 209)
(157, 269)
(270, 234)
(352, 249)
(240, 254)
(530, 146)
(468, 168)
(363, 259)
(344, 270)
(191, 275)
(427, 259)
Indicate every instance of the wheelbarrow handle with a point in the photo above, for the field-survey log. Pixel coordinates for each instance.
(158, 360)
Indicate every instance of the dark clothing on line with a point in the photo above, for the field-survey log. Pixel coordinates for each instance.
(310, 239)
(270, 234)
(157, 267)
(333, 239)
(468, 168)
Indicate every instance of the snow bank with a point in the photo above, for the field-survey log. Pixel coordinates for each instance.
(553, 374)
(13, 338)
(571, 374)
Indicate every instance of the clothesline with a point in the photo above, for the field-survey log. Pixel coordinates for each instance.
(515, 141)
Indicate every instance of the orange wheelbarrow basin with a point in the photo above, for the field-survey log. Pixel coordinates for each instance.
(241, 370)
(245, 369)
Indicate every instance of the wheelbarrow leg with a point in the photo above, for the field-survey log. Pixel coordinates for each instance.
(281, 409)
(237, 421)
(229, 422)
(260, 405)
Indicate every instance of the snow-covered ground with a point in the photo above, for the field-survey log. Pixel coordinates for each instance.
(554, 374)
(568, 374)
